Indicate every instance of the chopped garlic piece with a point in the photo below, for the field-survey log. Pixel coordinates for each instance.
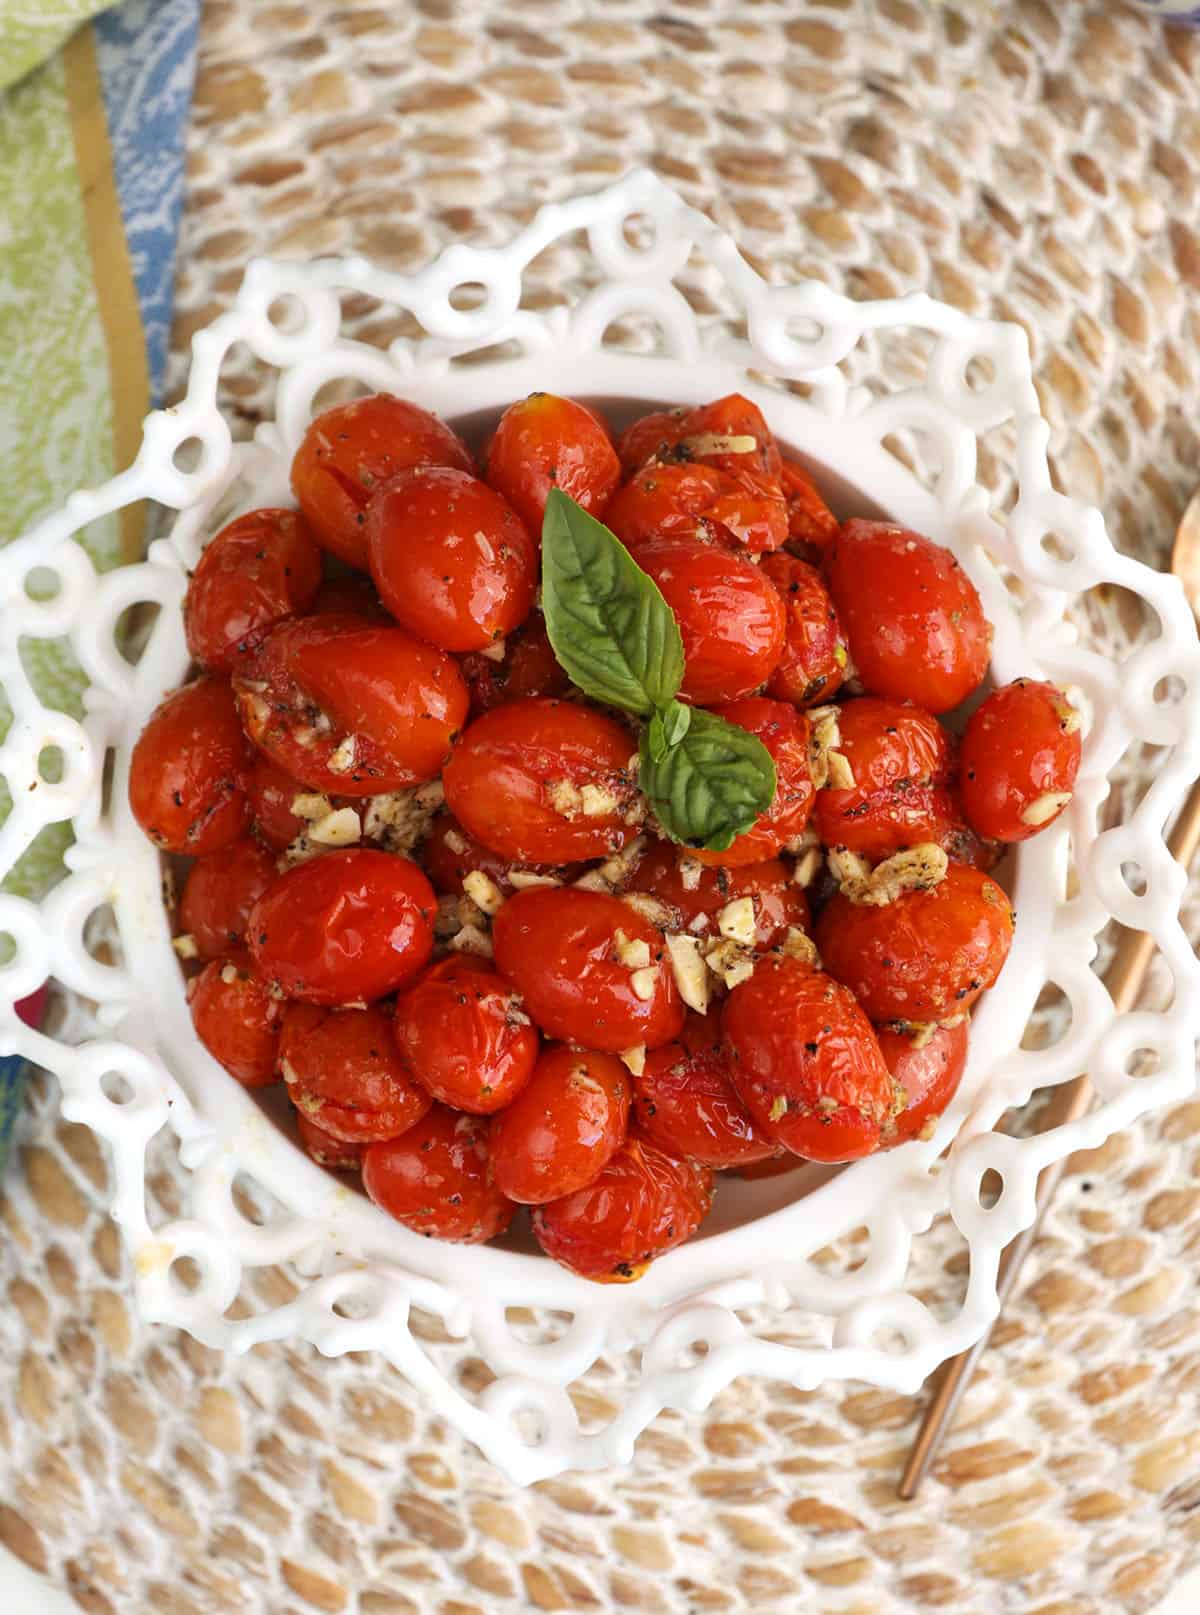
(916, 869)
(472, 940)
(311, 805)
(483, 891)
(645, 983)
(718, 443)
(338, 829)
(635, 1059)
(341, 758)
(688, 968)
(736, 920)
(739, 972)
(621, 865)
(185, 947)
(698, 923)
(797, 944)
(598, 802)
(690, 871)
(1045, 808)
(650, 908)
(778, 1110)
(593, 881)
(495, 651)
(826, 737)
(565, 797)
(633, 952)
(229, 974)
(808, 865)
(847, 868)
(841, 775)
(454, 842)
(522, 879)
(400, 819)
(729, 961)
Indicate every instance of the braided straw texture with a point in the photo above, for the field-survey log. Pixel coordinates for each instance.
(1035, 163)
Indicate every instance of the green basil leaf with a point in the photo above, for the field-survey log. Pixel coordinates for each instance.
(609, 626)
(675, 721)
(656, 738)
(711, 786)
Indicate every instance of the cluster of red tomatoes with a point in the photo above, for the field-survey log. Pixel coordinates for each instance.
(426, 891)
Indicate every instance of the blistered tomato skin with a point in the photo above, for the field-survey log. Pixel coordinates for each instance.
(452, 561)
(1019, 759)
(344, 1073)
(218, 895)
(912, 617)
(546, 442)
(564, 1126)
(577, 960)
(686, 1103)
(812, 663)
(238, 1021)
(811, 523)
(449, 854)
(527, 668)
(927, 1071)
(463, 1035)
(349, 450)
(806, 1063)
(785, 733)
(349, 707)
(324, 1149)
(272, 791)
(702, 435)
(546, 782)
(344, 928)
(187, 772)
(927, 955)
(259, 569)
(731, 618)
(901, 761)
(744, 511)
(437, 1179)
(643, 1203)
(695, 895)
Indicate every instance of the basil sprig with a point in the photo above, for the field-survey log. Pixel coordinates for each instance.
(617, 639)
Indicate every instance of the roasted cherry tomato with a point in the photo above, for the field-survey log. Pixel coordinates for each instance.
(900, 760)
(451, 560)
(349, 594)
(743, 510)
(349, 707)
(238, 1020)
(810, 520)
(960, 843)
(547, 781)
(643, 1203)
(590, 968)
(437, 1179)
(927, 1068)
(462, 1032)
(812, 664)
(272, 791)
(1019, 758)
(715, 434)
(694, 896)
(259, 569)
(326, 1150)
(685, 1101)
(450, 853)
(806, 1062)
(564, 1126)
(188, 768)
(345, 1074)
(218, 895)
(924, 956)
(912, 617)
(785, 733)
(344, 928)
(731, 618)
(526, 666)
(349, 450)
(546, 442)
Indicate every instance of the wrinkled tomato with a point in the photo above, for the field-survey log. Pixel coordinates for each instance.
(927, 1068)
(785, 733)
(901, 761)
(564, 1126)
(437, 1179)
(218, 895)
(188, 768)
(326, 1150)
(812, 663)
(345, 1075)
(527, 667)
(450, 853)
(238, 1020)
(259, 569)
(716, 434)
(461, 1031)
(744, 511)
(546, 442)
(810, 521)
(685, 1101)
(272, 791)
(1019, 758)
(694, 895)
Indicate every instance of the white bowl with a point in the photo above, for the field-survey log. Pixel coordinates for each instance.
(361, 1271)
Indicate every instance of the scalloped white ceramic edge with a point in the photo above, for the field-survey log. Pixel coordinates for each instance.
(683, 1316)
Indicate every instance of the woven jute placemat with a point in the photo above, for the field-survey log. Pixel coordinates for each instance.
(1037, 161)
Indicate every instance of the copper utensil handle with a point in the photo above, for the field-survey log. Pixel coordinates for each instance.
(1067, 1103)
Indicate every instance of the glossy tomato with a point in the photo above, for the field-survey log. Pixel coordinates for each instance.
(812, 663)
(927, 1069)
(218, 895)
(349, 707)
(187, 772)
(450, 853)
(344, 1073)
(259, 569)
(786, 734)
(326, 1150)
(685, 1101)
(643, 1203)
(591, 970)
(696, 895)
(546, 442)
(716, 434)
(912, 617)
(437, 1179)
(349, 450)
(344, 928)
(564, 1126)
(272, 791)
(1020, 755)
(811, 523)
(806, 1062)
(238, 1020)
(731, 618)
(451, 560)
(527, 667)
(463, 1034)
(742, 510)
(925, 956)
(901, 762)
(546, 781)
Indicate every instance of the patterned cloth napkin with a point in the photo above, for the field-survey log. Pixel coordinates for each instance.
(92, 117)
